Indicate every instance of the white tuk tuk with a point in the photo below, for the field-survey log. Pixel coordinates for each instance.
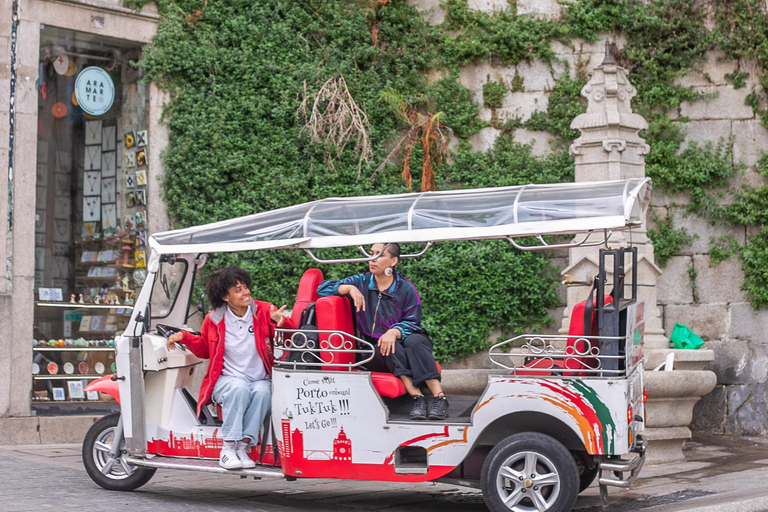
(561, 410)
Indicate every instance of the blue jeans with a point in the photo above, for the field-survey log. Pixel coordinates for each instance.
(244, 406)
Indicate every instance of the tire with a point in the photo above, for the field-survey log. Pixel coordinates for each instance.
(508, 471)
(587, 467)
(97, 458)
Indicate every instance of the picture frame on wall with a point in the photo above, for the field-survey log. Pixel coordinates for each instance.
(108, 190)
(75, 388)
(92, 158)
(93, 133)
(58, 394)
(92, 183)
(91, 208)
(108, 219)
(92, 396)
(108, 134)
(108, 164)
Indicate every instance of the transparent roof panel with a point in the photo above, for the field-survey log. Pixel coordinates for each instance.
(420, 217)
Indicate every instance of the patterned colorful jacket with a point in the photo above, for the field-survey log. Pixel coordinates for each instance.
(398, 307)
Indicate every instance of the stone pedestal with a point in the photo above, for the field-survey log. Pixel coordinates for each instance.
(671, 398)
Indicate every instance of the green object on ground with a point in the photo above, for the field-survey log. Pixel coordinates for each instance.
(685, 338)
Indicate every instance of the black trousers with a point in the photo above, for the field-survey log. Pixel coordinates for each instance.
(412, 357)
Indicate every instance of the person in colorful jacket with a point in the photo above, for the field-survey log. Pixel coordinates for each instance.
(388, 314)
(236, 336)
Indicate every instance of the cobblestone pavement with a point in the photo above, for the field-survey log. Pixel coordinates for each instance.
(720, 473)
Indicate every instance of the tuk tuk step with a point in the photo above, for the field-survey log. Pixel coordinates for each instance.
(207, 466)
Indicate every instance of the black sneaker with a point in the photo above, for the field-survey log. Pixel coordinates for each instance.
(438, 409)
(419, 411)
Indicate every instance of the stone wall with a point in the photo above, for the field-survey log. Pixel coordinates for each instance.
(712, 303)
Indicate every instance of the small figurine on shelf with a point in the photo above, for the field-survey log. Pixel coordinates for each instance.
(128, 300)
(118, 280)
(141, 238)
(116, 300)
(72, 299)
(117, 232)
(103, 293)
(81, 301)
(96, 299)
(127, 251)
(126, 282)
(128, 229)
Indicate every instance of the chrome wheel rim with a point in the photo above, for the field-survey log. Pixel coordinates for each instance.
(528, 482)
(111, 466)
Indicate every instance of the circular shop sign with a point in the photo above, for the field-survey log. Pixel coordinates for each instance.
(95, 91)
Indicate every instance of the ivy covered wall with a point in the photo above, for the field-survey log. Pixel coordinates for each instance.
(493, 76)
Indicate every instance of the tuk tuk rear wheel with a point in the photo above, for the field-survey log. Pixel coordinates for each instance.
(530, 472)
(111, 471)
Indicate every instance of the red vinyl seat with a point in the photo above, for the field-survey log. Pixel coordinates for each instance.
(307, 292)
(335, 314)
(577, 348)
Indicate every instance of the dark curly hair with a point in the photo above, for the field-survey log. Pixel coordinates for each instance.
(220, 282)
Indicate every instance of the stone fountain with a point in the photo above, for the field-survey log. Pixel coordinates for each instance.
(610, 148)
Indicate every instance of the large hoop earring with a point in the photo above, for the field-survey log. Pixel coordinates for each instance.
(388, 271)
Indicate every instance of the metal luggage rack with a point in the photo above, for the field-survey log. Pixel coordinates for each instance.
(564, 360)
(338, 342)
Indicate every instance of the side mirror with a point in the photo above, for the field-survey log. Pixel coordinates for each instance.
(199, 309)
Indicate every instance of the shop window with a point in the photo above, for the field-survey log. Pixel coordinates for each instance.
(90, 212)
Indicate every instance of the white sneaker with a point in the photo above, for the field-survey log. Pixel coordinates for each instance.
(242, 454)
(229, 459)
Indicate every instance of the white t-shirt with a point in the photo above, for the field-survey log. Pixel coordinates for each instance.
(241, 359)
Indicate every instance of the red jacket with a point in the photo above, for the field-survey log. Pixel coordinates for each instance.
(210, 343)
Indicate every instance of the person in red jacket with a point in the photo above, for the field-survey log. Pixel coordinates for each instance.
(236, 336)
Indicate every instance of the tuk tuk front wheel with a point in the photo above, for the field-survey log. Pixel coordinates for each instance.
(530, 472)
(104, 458)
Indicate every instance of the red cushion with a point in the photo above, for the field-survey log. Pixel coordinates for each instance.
(335, 314)
(387, 384)
(307, 293)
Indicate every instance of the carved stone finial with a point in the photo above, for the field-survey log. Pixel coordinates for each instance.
(608, 60)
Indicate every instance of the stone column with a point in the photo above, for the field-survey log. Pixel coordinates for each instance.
(610, 148)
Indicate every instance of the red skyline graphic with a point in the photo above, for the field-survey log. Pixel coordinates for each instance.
(202, 448)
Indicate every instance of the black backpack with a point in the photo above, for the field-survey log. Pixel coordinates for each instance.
(307, 322)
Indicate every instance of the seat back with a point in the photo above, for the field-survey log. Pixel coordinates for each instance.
(307, 293)
(583, 323)
(335, 314)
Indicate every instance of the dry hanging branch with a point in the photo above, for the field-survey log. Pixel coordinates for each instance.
(333, 119)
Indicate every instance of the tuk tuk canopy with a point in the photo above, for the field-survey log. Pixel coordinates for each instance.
(503, 212)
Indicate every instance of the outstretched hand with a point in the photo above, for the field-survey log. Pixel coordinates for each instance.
(278, 315)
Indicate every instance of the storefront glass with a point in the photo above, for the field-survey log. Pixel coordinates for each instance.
(90, 221)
